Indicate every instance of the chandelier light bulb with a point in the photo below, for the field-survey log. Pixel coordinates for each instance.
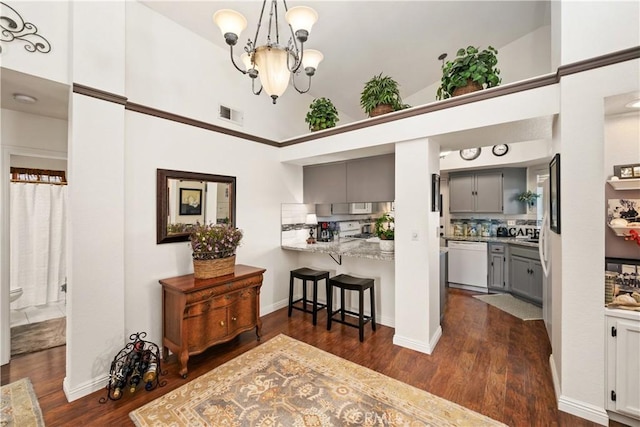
(230, 22)
(301, 18)
(311, 58)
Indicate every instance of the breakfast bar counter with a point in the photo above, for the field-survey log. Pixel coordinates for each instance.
(357, 248)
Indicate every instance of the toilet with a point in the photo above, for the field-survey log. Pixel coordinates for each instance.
(14, 294)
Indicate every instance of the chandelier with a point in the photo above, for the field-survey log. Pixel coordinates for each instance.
(272, 62)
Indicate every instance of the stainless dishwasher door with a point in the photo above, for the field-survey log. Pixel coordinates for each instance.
(468, 264)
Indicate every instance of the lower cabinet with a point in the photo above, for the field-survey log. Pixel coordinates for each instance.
(525, 278)
(200, 313)
(623, 368)
(497, 267)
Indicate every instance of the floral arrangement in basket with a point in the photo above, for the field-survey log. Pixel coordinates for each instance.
(214, 241)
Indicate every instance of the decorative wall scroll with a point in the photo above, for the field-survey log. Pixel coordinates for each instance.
(15, 28)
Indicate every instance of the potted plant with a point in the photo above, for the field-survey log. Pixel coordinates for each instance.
(529, 197)
(381, 95)
(471, 70)
(322, 114)
(214, 249)
(385, 230)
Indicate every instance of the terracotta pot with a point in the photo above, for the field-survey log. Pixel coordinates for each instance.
(470, 87)
(381, 109)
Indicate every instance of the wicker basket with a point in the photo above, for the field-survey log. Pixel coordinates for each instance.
(381, 109)
(470, 87)
(210, 268)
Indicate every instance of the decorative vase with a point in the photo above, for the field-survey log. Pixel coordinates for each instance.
(471, 86)
(210, 268)
(387, 245)
(381, 109)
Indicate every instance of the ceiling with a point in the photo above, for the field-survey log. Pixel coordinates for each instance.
(360, 39)
(355, 44)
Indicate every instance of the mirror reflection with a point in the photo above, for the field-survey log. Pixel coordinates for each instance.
(186, 198)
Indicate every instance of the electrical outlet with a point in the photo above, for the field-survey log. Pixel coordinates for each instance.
(511, 222)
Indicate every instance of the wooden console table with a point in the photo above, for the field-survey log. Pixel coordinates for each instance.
(199, 313)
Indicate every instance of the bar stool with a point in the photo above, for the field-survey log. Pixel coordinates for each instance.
(350, 283)
(307, 274)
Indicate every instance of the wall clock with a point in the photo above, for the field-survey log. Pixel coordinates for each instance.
(500, 149)
(470, 153)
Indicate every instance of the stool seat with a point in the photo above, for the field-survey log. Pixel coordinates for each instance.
(351, 283)
(307, 274)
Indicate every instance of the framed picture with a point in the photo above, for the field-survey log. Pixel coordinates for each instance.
(435, 192)
(190, 201)
(554, 192)
(627, 171)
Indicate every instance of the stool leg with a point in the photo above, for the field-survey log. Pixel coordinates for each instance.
(290, 294)
(373, 308)
(329, 305)
(304, 295)
(361, 314)
(315, 302)
(342, 304)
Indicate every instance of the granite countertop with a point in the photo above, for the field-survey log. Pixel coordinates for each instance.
(357, 248)
(506, 240)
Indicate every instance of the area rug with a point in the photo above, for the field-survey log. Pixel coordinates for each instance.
(284, 382)
(19, 405)
(38, 336)
(513, 306)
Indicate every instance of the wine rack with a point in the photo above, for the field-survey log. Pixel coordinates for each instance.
(137, 363)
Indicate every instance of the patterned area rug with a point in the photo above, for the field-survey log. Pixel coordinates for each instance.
(38, 336)
(19, 405)
(513, 306)
(284, 382)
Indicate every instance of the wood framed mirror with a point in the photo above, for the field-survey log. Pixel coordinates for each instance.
(185, 198)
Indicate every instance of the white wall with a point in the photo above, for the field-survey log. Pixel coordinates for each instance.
(578, 335)
(174, 70)
(51, 19)
(31, 131)
(529, 56)
(150, 144)
(594, 28)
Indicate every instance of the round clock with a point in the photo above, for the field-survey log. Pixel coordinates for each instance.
(500, 149)
(470, 153)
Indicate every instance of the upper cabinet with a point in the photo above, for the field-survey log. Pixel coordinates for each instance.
(493, 191)
(370, 179)
(325, 183)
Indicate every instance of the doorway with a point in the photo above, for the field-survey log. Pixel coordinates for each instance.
(37, 254)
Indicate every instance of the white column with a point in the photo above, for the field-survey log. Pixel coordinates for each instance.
(416, 247)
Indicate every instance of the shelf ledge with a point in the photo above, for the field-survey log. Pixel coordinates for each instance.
(624, 231)
(625, 184)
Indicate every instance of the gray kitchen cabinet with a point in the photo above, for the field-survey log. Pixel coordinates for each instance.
(525, 274)
(488, 191)
(497, 267)
(325, 183)
(371, 179)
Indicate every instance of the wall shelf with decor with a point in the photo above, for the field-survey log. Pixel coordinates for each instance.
(625, 184)
(624, 231)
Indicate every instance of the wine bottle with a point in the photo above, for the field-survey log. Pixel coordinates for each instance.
(135, 379)
(151, 373)
(118, 382)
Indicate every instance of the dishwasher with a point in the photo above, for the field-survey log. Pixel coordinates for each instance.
(468, 265)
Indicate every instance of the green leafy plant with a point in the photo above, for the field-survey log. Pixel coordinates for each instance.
(470, 64)
(322, 114)
(528, 196)
(385, 227)
(381, 90)
(214, 241)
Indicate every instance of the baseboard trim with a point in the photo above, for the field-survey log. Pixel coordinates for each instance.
(418, 345)
(583, 410)
(571, 406)
(632, 422)
(85, 388)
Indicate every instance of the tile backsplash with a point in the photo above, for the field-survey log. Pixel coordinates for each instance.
(488, 227)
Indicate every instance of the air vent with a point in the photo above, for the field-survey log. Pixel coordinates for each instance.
(231, 115)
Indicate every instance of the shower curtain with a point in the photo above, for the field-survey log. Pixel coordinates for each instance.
(37, 243)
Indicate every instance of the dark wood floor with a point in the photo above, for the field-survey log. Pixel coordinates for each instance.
(486, 360)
